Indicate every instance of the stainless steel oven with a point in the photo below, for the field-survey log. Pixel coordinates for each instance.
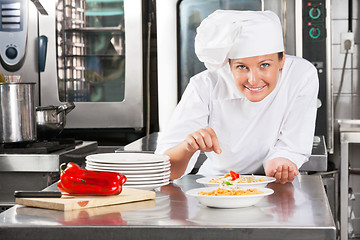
(89, 52)
(307, 33)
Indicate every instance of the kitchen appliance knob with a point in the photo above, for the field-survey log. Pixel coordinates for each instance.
(315, 13)
(11, 52)
(315, 32)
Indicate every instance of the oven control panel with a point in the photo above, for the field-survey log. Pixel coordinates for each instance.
(314, 50)
(13, 32)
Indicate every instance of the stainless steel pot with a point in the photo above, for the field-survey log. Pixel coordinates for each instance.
(17, 112)
(51, 120)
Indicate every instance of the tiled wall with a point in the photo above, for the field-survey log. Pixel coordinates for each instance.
(348, 106)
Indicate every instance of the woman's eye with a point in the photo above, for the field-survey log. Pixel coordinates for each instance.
(241, 66)
(264, 65)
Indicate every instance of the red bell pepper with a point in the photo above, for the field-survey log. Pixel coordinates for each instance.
(75, 180)
(234, 175)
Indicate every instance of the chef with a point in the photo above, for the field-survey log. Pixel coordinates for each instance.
(252, 111)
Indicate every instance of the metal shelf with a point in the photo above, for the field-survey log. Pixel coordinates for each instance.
(95, 29)
(94, 55)
(104, 1)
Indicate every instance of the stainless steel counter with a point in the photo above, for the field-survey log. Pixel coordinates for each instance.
(295, 211)
(317, 161)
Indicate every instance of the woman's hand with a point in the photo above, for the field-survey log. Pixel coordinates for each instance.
(282, 169)
(204, 140)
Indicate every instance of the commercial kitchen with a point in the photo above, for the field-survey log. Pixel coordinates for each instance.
(84, 78)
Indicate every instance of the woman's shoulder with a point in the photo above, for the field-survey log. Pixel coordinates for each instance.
(299, 72)
(299, 63)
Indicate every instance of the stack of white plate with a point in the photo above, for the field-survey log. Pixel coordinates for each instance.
(142, 170)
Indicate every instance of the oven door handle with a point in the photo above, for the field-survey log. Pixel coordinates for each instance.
(42, 49)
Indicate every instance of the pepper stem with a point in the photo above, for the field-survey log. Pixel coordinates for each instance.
(61, 165)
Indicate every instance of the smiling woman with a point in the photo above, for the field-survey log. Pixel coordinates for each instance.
(253, 110)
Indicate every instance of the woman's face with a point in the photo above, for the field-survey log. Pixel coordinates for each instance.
(256, 77)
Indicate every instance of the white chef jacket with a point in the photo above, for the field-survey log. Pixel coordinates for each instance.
(249, 133)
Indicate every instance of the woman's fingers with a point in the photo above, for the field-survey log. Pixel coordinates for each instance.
(282, 169)
(215, 142)
(203, 139)
(278, 173)
(207, 138)
(191, 143)
(292, 174)
(200, 140)
(284, 174)
(288, 174)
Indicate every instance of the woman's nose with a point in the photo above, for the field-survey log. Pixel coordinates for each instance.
(253, 78)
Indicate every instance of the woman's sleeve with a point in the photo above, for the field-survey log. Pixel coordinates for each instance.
(297, 131)
(190, 115)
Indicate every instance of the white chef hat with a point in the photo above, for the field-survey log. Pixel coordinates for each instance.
(230, 34)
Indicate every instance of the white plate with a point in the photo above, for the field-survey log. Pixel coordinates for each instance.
(128, 167)
(267, 180)
(150, 175)
(149, 186)
(129, 172)
(135, 179)
(228, 201)
(146, 182)
(127, 158)
(126, 164)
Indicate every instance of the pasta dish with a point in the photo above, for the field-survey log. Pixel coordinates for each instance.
(231, 192)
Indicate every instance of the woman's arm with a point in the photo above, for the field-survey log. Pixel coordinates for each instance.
(191, 114)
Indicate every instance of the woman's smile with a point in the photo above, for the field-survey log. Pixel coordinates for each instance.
(255, 89)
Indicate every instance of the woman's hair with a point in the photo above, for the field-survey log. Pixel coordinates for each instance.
(280, 55)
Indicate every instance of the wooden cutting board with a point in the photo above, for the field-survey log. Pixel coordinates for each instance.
(68, 202)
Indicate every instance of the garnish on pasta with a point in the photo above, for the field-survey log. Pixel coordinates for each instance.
(234, 179)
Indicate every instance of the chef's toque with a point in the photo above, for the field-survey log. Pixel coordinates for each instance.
(230, 34)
